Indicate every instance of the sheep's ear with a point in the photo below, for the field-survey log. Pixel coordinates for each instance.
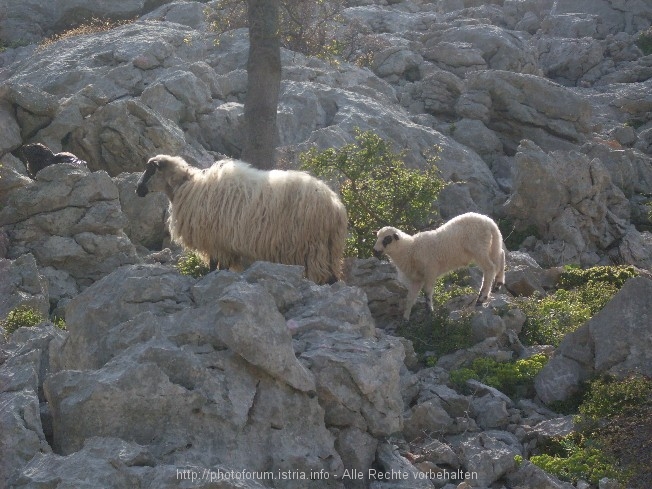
(395, 237)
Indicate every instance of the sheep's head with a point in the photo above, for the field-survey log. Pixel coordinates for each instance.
(37, 156)
(163, 173)
(386, 236)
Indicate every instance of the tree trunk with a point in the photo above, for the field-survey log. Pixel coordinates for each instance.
(263, 84)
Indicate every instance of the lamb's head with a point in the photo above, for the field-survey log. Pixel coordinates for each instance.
(386, 238)
(163, 173)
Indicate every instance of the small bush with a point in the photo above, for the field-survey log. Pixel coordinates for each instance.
(377, 188)
(581, 295)
(644, 41)
(516, 379)
(580, 459)
(191, 264)
(608, 397)
(613, 438)
(22, 316)
(614, 275)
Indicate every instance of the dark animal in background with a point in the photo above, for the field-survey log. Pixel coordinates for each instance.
(37, 156)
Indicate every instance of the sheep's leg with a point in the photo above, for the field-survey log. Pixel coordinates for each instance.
(488, 274)
(500, 278)
(212, 264)
(429, 289)
(413, 291)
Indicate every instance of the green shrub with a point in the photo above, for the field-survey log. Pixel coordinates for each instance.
(581, 295)
(376, 188)
(516, 379)
(438, 333)
(613, 435)
(21, 316)
(608, 397)
(644, 41)
(191, 264)
(580, 460)
(573, 277)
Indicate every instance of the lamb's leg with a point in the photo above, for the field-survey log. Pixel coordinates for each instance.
(429, 289)
(413, 291)
(488, 274)
(500, 277)
(212, 265)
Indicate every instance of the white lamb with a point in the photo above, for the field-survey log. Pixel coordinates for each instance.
(422, 258)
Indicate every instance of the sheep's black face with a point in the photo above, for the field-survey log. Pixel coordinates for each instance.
(141, 187)
(381, 244)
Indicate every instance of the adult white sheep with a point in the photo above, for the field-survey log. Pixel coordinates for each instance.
(422, 258)
(232, 214)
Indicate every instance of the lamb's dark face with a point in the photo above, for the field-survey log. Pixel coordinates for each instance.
(386, 236)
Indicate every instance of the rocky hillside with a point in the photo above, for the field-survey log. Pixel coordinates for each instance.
(542, 113)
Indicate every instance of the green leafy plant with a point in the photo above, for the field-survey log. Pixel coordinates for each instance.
(644, 41)
(609, 397)
(191, 264)
(21, 316)
(579, 458)
(377, 188)
(612, 440)
(581, 295)
(516, 379)
(437, 333)
(614, 275)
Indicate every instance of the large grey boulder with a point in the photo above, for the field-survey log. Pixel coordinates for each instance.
(498, 48)
(24, 363)
(585, 211)
(614, 18)
(249, 388)
(32, 20)
(69, 219)
(490, 455)
(22, 285)
(525, 106)
(146, 216)
(616, 341)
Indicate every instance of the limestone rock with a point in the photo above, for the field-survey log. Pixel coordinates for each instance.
(613, 341)
(22, 285)
(69, 219)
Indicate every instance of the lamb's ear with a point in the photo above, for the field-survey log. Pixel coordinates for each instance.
(395, 237)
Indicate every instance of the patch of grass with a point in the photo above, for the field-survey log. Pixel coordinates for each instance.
(92, 26)
(439, 333)
(581, 295)
(21, 316)
(516, 379)
(60, 323)
(191, 264)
